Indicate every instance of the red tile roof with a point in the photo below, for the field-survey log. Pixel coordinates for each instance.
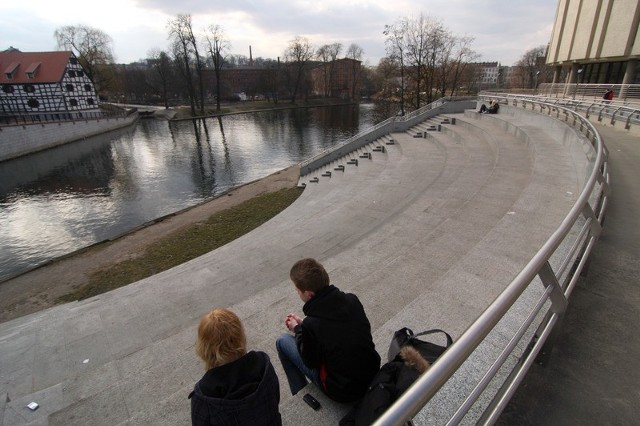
(51, 69)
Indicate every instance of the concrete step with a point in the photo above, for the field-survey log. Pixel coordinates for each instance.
(426, 234)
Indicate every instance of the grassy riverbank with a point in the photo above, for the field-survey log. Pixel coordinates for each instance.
(187, 243)
(199, 238)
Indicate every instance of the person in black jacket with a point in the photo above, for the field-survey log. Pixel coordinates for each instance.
(239, 387)
(332, 346)
(494, 106)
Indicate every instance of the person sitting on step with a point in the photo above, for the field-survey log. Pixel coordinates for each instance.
(332, 346)
(239, 387)
(492, 109)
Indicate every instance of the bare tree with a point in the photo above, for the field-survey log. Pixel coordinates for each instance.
(334, 52)
(188, 37)
(456, 63)
(297, 55)
(420, 50)
(437, 44)
(217, 45)
(323, 55)
(328, 54)
(455, 56)
(396, 47)
(429, 56)
(93, 48)
(531, 64)
(385, 77)
(386, 83)
(199, 62)
(355, 53)
(161, 73)
(180, 33)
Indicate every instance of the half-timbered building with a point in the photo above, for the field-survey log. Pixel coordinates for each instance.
(52, 85)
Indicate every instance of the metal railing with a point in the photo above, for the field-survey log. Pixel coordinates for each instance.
(61, 117)
(588, 91)
(626, 113)
(393, 124)
(577, 234)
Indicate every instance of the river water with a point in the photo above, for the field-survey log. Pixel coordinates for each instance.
(58, 201)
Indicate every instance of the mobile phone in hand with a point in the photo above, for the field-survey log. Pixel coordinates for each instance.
(311, 401)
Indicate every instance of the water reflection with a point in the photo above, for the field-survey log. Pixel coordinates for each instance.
(66, 198)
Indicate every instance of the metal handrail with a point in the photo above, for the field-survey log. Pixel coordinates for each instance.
(389, 122)
(625, 92)
(361, 134)
(616, 109)
(419, 394)
(61, 117)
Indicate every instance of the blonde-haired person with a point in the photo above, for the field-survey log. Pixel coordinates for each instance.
(239, 387)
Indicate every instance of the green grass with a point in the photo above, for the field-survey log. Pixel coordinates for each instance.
(188, 243)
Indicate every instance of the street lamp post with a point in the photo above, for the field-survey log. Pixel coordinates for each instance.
(577, 83)
(535, 84)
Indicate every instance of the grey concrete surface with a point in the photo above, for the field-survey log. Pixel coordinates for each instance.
(426, 233)
(593, 373)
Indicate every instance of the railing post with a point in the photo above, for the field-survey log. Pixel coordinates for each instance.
(613, 116)
(558, 306)
(595, 227)
(589, 213)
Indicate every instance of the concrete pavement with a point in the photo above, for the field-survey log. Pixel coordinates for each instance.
(593, 373)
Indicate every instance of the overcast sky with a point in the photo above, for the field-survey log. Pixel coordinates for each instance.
(503, 29)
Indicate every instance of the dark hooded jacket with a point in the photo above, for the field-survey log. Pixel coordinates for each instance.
(243, 392)
(335, 338)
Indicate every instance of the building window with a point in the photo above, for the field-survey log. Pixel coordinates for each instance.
(73, 102)
(29, 88)
(87, 87)
(70, 87)
(90, 101)
(80, 73)
(73, 61)
(33, 103)
(71, 73)
(7, 88)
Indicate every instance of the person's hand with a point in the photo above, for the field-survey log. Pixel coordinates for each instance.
(291, 321)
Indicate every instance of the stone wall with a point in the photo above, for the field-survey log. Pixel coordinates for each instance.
(18, 140)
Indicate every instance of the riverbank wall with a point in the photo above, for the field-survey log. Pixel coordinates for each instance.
(22, 139)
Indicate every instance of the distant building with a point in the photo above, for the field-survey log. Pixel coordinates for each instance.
(598, 40)
(52, 83)
(340, 78)
(488, 73)
(336, 79)
(246, 79)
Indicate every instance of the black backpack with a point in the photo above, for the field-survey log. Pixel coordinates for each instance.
(395, 376)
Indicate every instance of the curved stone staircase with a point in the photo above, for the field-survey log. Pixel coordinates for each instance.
(426, 231)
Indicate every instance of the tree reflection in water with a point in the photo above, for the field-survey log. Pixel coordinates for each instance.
(61, 200)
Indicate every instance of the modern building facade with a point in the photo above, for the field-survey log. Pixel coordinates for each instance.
(51, 84)
(596, 41)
